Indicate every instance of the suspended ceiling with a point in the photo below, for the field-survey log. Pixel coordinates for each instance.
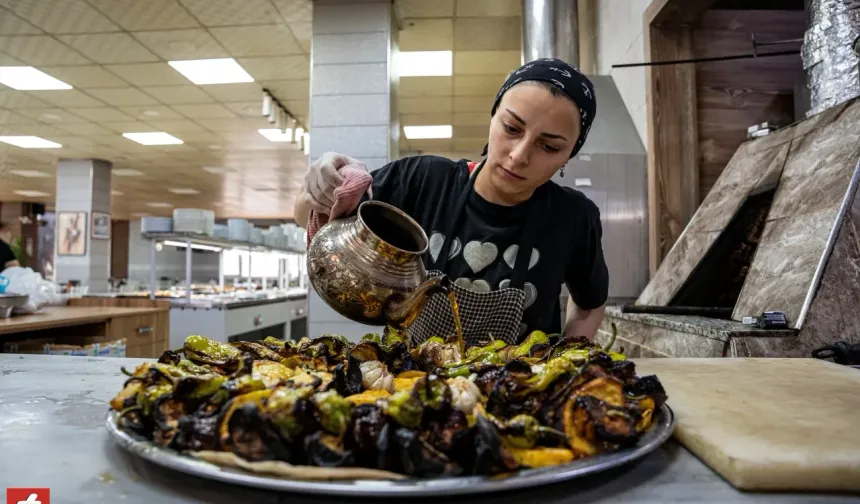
(115, 52)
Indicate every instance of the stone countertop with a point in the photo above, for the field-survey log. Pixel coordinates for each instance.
(718, 329)
(52, 410)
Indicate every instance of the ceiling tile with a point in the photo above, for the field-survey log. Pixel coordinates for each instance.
(486, 62)
(428, 35)
(7, 60)
(74, 141)
(487, 34)
(158, 112)
(277, 68)
(436, 144)
(127, 126)
(85, 76)
(478, 85)
(227, 125)
(67, 98)
(11, 118)
(425, 9)
(300, 108)
(204, 111)
(85, 129)
(149, 74)
(472, 131)
(174, 95)
(61, 16)
(426, 86)
(472, 119)
(271, 40)
(303, 32)
(41, 50)
(101, 114)
(246, 109)
(10, 24)
(182, 44)
(147, 15)
(175, 126)
(232, 13)
(235, 92)
(474, 103)
(123, 96)
(469, 144)
(201, 137)
(42, 130)
(425, 105)
(289, 90)
(52, 116)
(428, 119)
(490, 8)
(109, 48)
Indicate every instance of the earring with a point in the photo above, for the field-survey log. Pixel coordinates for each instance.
(561, 174)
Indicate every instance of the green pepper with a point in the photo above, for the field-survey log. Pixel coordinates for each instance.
(274, 343)
(552, 370)
(146, 398)
(334, 411)
(244, 384)
(467, 368)
(523, 431)
(192, 368)
(371, 337)
(392, 336)
(208, 351)
(405, 408)
(280, 407)
(478, 352)
(199, 386)
(535, 338)
(433, 392)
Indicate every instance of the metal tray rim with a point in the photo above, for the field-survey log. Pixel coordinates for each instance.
(660, 432)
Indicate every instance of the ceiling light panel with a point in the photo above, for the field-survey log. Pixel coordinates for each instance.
(424, 63)
(30, 142)
(421, 132)
(184, 190)
(27, 78)
(126, 172)
(218, 169)
(30, 173)
(277, 135)
(32, 194)
(159, 205)
(212, 71)
(153, 138)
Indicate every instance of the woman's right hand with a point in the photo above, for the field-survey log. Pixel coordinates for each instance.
(322, 179)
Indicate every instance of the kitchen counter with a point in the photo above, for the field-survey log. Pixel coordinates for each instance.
(51, 425)
(52, 317)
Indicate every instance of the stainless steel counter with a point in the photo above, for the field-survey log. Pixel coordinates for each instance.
(51, 433)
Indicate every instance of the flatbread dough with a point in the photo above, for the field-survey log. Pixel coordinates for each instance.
(285, 470)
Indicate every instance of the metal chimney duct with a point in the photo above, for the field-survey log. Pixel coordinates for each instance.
(550, 30)
(829, 58)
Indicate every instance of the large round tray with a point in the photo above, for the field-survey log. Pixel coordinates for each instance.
(660, 431)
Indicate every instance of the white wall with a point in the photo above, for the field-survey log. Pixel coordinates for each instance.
(620, 40)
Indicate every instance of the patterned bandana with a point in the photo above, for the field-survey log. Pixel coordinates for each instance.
(567, 78)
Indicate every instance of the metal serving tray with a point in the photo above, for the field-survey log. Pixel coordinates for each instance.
(660, 431)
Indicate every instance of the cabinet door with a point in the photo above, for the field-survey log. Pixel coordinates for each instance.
(141, 333)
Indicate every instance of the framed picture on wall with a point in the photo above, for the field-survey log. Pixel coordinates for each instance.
(101, 226)
(71, 233)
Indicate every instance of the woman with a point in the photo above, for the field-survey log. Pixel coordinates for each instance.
(7, 256)
(501, 229)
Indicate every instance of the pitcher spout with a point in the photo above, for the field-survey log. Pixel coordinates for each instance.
(402, 311)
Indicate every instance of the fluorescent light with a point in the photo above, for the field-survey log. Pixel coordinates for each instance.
(417, 132)
(31, 194)
(140, 214)
(212, 71)
(219, 169)
(276, 135)
(424, 63)
(27, 78)
(159, 205)
(30, 142)
(117, 193)
(307, 144)
(126, 172)
(184, 190)
(30, 173)
(196, 246)
(153, 138)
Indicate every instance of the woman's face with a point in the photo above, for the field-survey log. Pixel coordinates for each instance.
(531, 137)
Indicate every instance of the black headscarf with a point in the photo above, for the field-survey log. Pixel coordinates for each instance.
(567, 78)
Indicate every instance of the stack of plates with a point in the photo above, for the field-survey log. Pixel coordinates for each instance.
(221, 231)
(239, 229)
(193, 220)
(156, 225)
(275, 237)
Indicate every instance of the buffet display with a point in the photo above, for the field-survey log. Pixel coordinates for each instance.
(381, 409)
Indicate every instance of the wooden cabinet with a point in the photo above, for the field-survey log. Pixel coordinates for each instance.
(145, 335)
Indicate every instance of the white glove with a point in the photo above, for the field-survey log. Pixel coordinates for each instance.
(322, 179)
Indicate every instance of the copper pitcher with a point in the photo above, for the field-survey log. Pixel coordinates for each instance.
(368, 267)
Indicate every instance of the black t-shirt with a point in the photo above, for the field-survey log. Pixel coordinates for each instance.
(567, 248)
(6, 254)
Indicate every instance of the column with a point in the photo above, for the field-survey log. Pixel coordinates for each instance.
(83, 187)
(353, 105)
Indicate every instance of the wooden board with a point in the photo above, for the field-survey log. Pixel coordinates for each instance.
(767, 424)
(64, 316)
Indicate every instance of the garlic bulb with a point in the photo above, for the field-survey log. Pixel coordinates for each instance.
(464, 394)
(375, 376)
(436, 354)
